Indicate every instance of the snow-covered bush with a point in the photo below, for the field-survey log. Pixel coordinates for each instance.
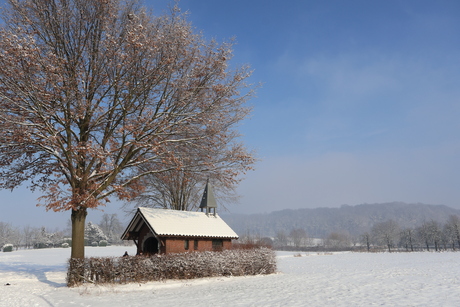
(94, 243)
(65, 245)
(103, 243)
(8, 247)
(171, 266)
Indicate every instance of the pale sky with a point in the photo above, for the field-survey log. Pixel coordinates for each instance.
(360, 103)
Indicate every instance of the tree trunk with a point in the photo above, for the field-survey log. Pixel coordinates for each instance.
(388, 244)
(78, 233)
(410, 241)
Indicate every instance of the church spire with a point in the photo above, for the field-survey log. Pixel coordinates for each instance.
(208, 201)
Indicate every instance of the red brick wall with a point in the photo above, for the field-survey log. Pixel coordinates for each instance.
(228, 244)
(176, 245)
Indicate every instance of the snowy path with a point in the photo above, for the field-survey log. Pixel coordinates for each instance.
(37, 278)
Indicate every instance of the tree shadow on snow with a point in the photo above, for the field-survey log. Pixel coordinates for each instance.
(39, 271)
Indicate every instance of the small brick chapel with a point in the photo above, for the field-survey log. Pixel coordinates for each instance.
(164, 231)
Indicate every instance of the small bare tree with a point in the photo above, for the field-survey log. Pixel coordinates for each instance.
(298, 236)
(366, 240)
(337, 240)
(111, 226)
(281, 238)
(407, 239)
(6, 233)
(16, 238)
(435, 233)
(27, 231)
(385, 233)
(430, 233)
(452, 230)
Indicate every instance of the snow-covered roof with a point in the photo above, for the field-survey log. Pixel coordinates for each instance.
(167, 222)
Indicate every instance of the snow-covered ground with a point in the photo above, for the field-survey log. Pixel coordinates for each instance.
(37, 278)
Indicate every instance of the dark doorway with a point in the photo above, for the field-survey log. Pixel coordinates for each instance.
(150, 246)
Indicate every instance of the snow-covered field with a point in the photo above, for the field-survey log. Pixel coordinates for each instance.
(37, 278)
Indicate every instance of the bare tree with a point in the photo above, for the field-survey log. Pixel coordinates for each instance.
(56, 237)
(16, 237)
(27, 232)
(281, 238)
(452, 230)
(174, 189)
(298, 236)
(445, 238)
(366, 240)
(430, 233)
(338, 240)
(96, 94)
(407, 239)
(435, 234)
(6, 233)
(385, 233)
(111, 226)
(182, 190)
(423, 235)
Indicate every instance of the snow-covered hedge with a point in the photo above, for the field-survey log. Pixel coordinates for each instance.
(8, 247)
(172, 266)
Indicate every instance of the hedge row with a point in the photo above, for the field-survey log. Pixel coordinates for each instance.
(173, 266)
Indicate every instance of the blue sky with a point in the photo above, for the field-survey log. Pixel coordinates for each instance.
(359, 102)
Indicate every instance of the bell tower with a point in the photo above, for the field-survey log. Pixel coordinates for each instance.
(208, 201)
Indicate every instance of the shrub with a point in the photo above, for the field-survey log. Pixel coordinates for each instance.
(41, 245)
(8, 248)
(171, 266)
(250, 245)
(103, 243)
(94, 243)
(65, 245)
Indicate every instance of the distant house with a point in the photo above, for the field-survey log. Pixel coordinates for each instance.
(172, 231)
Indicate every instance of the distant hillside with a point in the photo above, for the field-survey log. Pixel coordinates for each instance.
(355, 220)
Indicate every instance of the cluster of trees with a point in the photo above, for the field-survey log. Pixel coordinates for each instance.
(29, 237)
(352, 220)
(430, 235)
(109, 229)
(298, 238)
